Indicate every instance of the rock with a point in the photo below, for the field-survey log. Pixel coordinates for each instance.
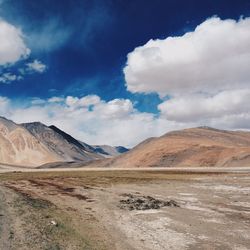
(144, 203)
(54, 223)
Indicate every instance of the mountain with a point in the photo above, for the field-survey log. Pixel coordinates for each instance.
(60, 143)
(196, 147)
(109, 151)
(19, 147)
(34, 144)
(104, 150)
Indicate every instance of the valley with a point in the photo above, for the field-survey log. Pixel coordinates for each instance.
(186, 189)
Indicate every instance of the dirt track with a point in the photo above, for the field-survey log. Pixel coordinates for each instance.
(82, 210)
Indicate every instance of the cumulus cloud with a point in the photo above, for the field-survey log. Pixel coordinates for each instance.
(85, 101)
(199, 107)
(36, 66)
(13, 49)
(115, 109)
(115, 122)
(12, 45)
(212, 58)
(204, 74)
(118, 122)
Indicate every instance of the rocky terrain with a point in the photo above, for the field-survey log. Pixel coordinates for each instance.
(196, 147)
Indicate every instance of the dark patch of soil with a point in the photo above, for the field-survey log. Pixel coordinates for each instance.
(52, 184)
(144, 203)
(30, 200)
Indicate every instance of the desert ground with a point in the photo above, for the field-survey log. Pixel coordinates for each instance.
(125, 209)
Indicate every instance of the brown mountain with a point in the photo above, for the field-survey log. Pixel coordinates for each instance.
(34, 144)
(196, 147)
(19, 147)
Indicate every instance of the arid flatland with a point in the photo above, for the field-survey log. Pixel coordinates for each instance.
(119, 210)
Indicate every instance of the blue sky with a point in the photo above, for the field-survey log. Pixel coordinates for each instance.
(79, 48)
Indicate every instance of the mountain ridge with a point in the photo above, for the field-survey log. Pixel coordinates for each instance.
(61, 143)
(33, 144)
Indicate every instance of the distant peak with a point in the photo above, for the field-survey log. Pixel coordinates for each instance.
(33, 123)
(66, 136)
(121, 149)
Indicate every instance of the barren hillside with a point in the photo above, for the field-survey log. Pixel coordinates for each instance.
(62, 144)
(35, 144)
(194, 147)
(19, 147)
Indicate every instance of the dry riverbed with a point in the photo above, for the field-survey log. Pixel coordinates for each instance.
(124, 210)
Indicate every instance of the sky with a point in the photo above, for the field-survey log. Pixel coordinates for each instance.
(119, 71)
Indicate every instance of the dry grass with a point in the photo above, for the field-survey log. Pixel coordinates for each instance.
(110, 176)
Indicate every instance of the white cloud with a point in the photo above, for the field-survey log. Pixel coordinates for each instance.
(85, 101)
(12, 46)
(214, 57)
(55, 99)
(7, 77)
(115, 109)
(13, 49)
(200, 107)
(115, 122)
(36, 66)
(37, 101)
(204, 74)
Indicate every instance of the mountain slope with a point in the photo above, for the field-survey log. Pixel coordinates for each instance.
(189, 148)
(62, 144)
(19, 147)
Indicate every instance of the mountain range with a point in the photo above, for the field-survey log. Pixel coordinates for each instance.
(34, 144)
